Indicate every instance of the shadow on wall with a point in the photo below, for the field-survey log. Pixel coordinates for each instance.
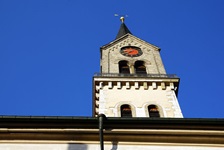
(77, 147)
(114, 145)
(85, 146)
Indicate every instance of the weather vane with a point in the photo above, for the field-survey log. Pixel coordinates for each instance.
(122, 17)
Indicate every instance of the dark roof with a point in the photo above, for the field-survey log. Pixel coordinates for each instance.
(111, 122)
(123, 30)
(164, 130)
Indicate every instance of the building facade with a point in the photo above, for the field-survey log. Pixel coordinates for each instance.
(82, 133)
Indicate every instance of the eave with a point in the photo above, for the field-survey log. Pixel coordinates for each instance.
(159, 130)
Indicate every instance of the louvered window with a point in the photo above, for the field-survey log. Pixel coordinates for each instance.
(140, 67)
(123, 67)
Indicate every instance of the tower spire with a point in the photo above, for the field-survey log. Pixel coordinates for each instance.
(123, 28)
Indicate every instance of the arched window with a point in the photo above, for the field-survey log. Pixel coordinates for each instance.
(153, 111)
(126, 111)
(140, 67)
(123, 67)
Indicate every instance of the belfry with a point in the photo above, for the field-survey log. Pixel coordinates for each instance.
(132, 81)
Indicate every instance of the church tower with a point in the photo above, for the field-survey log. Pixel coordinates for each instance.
(133, 81)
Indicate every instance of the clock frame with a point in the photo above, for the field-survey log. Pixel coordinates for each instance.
(131, 51)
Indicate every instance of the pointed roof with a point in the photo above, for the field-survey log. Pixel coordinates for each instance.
(123, 29)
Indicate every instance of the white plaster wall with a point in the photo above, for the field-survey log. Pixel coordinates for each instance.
(112, 98)
(24, 146)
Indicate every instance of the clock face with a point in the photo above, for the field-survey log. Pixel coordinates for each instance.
(131, 51)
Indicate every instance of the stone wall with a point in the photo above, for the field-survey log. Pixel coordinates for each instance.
(111, 56)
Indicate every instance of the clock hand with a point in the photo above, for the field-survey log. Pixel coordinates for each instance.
(130, 51)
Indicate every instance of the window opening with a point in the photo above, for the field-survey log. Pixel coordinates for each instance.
(126, 111)
(153, 111)
(123, 67)
(140, 67)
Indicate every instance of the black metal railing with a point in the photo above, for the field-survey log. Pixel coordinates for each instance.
(135, 75)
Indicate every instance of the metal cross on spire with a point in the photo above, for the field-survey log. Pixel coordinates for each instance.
(123, 28)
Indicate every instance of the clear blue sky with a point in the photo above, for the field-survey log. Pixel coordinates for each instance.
(49, 51)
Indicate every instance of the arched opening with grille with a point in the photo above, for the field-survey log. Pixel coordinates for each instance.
(140, 67)
(123, 67)
(126, 111)
(153, 111)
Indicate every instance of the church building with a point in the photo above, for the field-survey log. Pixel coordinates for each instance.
(135, 107)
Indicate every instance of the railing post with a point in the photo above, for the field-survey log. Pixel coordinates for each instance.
(136, 75)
